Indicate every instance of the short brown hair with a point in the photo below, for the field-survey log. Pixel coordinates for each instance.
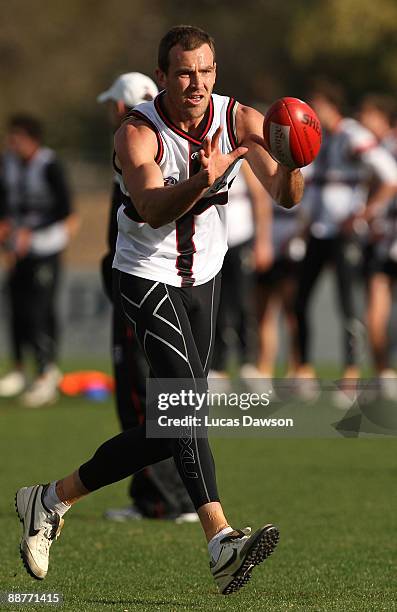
(28, 124)
(330, 90)
(188, 37)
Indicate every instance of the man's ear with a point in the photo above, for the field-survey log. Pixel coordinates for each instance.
(121, 108)
(161, 78)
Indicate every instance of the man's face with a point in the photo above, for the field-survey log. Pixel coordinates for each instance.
(324, 110)
(374, 120)
(189, 81)
(20, 143)
(116, 112)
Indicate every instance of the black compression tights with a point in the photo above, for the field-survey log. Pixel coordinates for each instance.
(175, 327)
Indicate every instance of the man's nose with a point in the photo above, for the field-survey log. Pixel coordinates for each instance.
(196, 79)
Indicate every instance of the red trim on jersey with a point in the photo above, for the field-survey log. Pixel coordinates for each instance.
(229, 123)
(142, 117)
(198, 141)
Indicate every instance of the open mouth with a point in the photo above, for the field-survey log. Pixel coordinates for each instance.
(194, 99)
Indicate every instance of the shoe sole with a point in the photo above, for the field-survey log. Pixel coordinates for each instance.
(259, 550)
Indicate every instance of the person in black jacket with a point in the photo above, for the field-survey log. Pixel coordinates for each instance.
(36, 221)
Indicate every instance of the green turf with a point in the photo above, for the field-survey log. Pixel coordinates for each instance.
(334, 501)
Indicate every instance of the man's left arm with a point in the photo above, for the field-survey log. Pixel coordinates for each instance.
(384, 168)
(283, 184)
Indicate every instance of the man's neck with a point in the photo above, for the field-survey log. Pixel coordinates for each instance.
(334, 123)
(29, 156)
(188, 124)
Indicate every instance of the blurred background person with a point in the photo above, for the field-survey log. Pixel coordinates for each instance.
(157, 491)
(339, 204)
(377, 113)
(234, 329)
(37, 224)
(277, 258)
(259, 279)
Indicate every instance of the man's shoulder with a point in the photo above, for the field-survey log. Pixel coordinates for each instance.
(143, 115)
(356, 132)
(247, 116)
(46, 156)
(145, 108)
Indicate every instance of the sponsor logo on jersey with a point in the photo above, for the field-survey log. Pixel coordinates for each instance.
(170, 180)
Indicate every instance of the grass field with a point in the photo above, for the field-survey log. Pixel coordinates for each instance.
(334, 501)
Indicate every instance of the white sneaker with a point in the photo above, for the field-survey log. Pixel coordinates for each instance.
(12, 384)
(345, 396)
(240, 553)
(257, 381)
(130, 513)
(219, 382)
(248, 370)
(40, 528)
(187, 517)
(44, 390)
(307, 389)
(388, 385)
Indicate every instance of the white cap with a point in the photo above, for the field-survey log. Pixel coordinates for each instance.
(131, 88)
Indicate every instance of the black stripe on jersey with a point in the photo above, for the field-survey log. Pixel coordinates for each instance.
(129, 209)
(230, 122)
(135, 114)
(185, 228)
(219, 199)
(207, 120)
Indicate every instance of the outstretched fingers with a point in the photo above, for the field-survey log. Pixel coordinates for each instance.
(239, 152)
(207, 148)
(203, 159)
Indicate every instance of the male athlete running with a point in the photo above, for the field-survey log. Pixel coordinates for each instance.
(177, 156)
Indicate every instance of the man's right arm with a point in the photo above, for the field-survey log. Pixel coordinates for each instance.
(136, 149)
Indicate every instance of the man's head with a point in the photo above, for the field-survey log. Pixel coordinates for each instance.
(328, 101)
(25, 134)
(377, 113)
(127, 91)
(187, 69)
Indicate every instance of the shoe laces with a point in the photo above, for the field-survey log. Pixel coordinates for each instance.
(234, 537)
(50, 532)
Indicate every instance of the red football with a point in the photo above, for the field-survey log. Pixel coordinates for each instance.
(292, 132)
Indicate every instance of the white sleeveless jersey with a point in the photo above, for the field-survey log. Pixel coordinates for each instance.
(188, 251)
